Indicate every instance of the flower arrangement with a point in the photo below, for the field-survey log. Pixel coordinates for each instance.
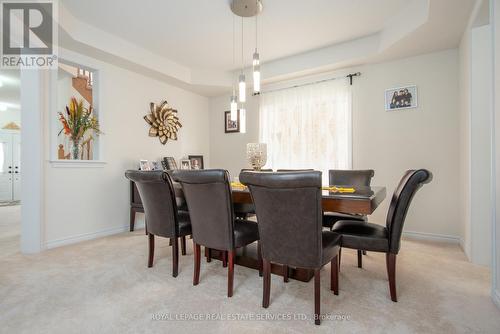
(76, 122)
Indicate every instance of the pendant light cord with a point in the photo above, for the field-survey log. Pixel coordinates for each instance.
(256, 15)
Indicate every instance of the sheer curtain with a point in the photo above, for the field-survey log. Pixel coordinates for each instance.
(308, 127)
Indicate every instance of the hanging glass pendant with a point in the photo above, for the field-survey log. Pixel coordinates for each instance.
(242, 88)
(234, 107)
(256, 73)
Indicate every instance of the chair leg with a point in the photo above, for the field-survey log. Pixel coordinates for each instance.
(317, 296)
(175, 257)
(266, 268)
(391, 272)
(208, 254)
(285, 273)
(151, 249)
(364, 252)
(230, 273)
(334, 275)
(170, 241)
(197, 260)
(145, 226)
(183, 245)
(224, 259)
(340, 256)
(259, 258)
(132, 219)
(360, 259)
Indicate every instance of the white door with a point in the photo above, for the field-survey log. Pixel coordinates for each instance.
(6, 168)
(16, 165)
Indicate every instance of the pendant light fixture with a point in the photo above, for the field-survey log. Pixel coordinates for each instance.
(234, 101)
(256, 62)
(242, 84)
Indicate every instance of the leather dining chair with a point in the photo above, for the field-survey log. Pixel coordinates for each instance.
(208, 196)
(386, 239)
(288, 207)
(246, 210)
(342, 177)
(161, 213)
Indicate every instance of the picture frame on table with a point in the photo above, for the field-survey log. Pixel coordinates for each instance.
(398, 98)
(185, 164)
(231, 126)
(196, 161)
(169, 163)
(155, 165)
(144, 165)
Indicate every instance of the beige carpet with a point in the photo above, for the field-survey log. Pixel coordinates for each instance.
(104, 286)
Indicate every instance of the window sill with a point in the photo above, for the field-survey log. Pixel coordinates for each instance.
(77, 163)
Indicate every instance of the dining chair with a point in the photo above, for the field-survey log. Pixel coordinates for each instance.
(246, 210)
(161, 213)
(209, 200)
(288, 207)
(342, 177)
(294, 170)
(385, 239)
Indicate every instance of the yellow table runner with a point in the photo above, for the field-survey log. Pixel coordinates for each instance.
(332, 188)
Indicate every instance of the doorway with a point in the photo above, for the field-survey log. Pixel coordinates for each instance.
(10, 162)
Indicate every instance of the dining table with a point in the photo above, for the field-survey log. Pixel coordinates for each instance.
(362, 200)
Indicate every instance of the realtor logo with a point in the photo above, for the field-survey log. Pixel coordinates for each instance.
(29, 32)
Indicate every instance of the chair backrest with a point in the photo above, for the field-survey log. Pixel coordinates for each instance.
(401, 199)
(209, 201)
(158, 199)
(288, 207)
(253, 170)
(341, 177)
(294, 170)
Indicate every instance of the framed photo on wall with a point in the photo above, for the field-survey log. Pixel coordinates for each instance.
(196, 161)
(229, 125)
(401, 98)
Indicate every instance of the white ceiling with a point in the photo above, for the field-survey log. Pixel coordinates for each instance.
(198, 33)
(189, 42)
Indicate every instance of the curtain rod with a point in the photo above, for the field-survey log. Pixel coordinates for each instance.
(350, 76)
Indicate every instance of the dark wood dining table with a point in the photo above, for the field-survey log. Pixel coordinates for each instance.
(364, 200)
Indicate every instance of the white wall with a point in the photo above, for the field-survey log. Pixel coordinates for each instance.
(480, 130)
(389, 142)
(10, 115)
(495, 21)
(87, 202)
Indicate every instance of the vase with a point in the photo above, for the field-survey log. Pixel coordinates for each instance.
(257, 155)
(75, 149)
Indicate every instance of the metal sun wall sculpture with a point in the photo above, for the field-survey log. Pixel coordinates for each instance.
(163, 121)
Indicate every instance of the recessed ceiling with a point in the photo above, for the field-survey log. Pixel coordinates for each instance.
(198, 33)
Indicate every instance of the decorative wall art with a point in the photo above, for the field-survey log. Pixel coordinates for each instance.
(231, 126)
(401, 98)
(163, 121)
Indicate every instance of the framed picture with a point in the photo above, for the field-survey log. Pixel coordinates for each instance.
(401, 98)
(144, 165)
(185, 164)
(169, 163)
(229, 125)
(155, 165)
(196, 161)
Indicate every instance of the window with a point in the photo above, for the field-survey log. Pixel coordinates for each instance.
(308, 127)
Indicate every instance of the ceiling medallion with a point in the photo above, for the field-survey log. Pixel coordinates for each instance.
(246, 8)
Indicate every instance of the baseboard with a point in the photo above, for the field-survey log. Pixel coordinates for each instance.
(495, 295)
(89, 236)
(432, 237)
